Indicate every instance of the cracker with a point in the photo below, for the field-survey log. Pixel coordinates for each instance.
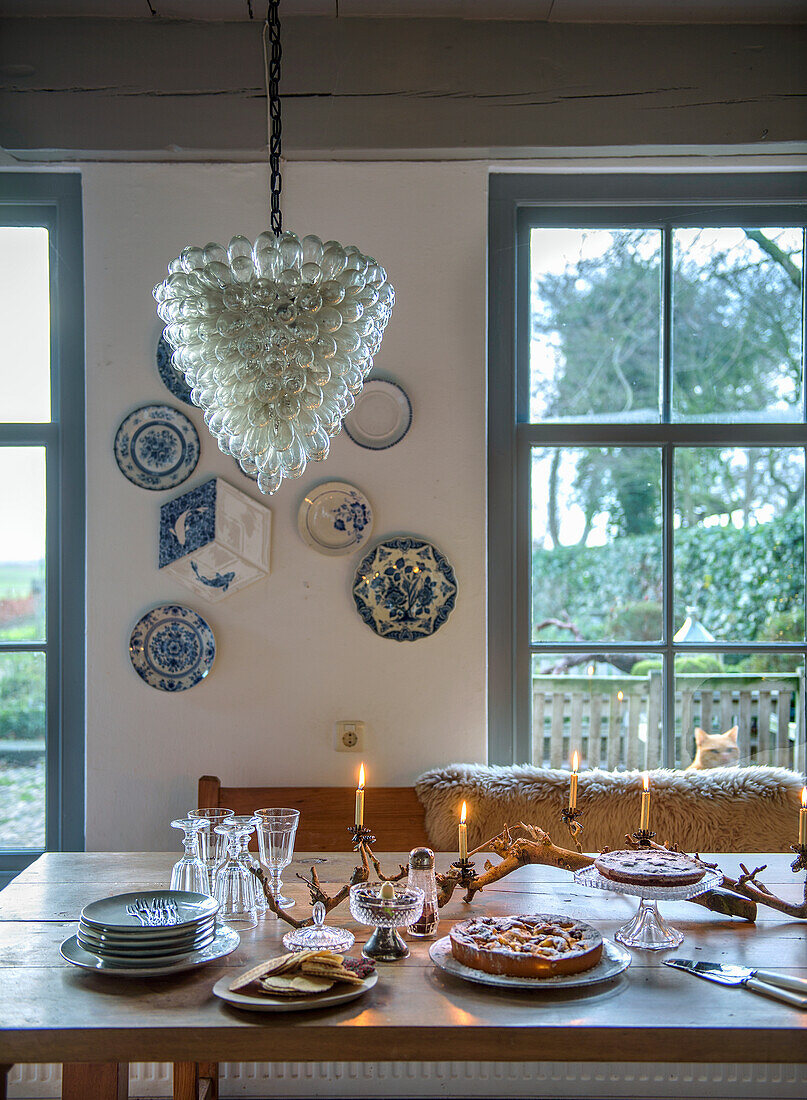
(296, 986)
(256, 972)
(335, 973)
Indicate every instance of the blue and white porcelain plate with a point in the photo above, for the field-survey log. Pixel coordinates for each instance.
(172, 648)
(157, 447)
(335, 518)
(404, 589)
(172, 378)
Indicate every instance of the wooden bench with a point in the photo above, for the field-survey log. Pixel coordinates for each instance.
(394, 814)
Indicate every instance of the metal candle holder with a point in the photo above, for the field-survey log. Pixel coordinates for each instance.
(361, 835)
(800, 863)
(643, 837)
(571, 819)
(467, 871)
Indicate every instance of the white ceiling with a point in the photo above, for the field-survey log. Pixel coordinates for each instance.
(554, 11)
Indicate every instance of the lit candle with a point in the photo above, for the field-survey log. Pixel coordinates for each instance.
(645, 819)
(360, 798)
(573, 788)
(463, 833)
(803, 818)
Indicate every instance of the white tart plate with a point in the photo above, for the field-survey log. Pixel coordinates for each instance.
(265, 1002)
(614, 960)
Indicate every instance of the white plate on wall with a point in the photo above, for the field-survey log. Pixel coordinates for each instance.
(335, 518)
(381, 416)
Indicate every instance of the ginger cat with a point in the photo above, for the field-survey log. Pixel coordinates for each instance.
(715, 750)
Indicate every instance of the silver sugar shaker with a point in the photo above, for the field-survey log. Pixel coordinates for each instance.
(421, 873)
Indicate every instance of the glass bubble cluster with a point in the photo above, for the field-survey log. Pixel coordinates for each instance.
(275, 341)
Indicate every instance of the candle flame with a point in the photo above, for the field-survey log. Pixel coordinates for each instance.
(361, 778)
(646, 782)
(620, 696)
(804, 797)
(463, 814)
(575, 761)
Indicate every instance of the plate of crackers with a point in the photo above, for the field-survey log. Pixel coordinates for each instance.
(298, 981)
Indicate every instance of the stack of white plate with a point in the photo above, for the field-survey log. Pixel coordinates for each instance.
(149, 931)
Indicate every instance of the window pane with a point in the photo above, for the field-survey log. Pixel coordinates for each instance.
(22, 544)
(25, 325)
(22, 750)
(737, 324)
(739, 544)
(596, 544)
(589, 704)
(738, 709)
(595, 324)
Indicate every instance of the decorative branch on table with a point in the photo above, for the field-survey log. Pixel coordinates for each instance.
(733, 898)
(316, 892)
(537, 848)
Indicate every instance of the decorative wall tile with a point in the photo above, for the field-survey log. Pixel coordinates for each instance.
(215, 539)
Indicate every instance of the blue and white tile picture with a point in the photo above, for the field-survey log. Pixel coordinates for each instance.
(215, 539)
(172, 648)
(404, 589)
(157, 447)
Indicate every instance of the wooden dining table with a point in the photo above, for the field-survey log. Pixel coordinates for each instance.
(95, 1025)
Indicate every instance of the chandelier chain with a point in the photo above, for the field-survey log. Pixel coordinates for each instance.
(272, 53)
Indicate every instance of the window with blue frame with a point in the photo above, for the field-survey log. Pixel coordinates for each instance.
(42, 529)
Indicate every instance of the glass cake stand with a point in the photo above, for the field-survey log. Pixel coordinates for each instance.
(648, 929)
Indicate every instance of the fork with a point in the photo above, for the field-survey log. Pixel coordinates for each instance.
(156, 913)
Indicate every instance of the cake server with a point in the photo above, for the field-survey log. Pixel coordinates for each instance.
(781, 987)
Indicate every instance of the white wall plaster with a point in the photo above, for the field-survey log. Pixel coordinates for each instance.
(293, 655)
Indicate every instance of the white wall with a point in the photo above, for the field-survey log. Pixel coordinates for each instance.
(292, 654)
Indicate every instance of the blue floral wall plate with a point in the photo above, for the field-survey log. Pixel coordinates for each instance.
(157, 447)
(335, 518)
(172, 648)
(171, 377)
(404, 589)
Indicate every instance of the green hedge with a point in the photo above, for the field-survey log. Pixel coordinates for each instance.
(737, 579)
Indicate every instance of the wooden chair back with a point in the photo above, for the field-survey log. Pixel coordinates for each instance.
(394, 814)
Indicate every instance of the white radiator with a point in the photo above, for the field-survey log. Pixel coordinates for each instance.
(281, 1080)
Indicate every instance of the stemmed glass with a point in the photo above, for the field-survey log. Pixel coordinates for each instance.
(190, 873)
(211, 845)
(276, 829)
(235, 888)
(244, 855)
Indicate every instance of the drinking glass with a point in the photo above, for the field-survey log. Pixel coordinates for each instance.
(244, 855)
(211, 845)
(190, 872)
(235, 888)
(276, 829)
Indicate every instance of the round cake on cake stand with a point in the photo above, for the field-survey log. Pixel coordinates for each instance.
(647, 929)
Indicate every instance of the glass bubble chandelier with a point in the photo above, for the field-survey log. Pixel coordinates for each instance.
(275, 338)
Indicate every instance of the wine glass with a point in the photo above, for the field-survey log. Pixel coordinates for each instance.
(246, 857)
(190, 873)
(235, 888)
(276, 829)
(211, 844)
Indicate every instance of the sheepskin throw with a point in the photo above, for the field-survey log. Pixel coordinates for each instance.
(719, 810)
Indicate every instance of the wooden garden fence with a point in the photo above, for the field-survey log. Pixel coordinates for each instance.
(616, 721)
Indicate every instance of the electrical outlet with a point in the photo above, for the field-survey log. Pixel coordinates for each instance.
(349, 737)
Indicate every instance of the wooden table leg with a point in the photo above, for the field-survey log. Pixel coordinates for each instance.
(4, 1072)
(99, 1080)
(196, 1081)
